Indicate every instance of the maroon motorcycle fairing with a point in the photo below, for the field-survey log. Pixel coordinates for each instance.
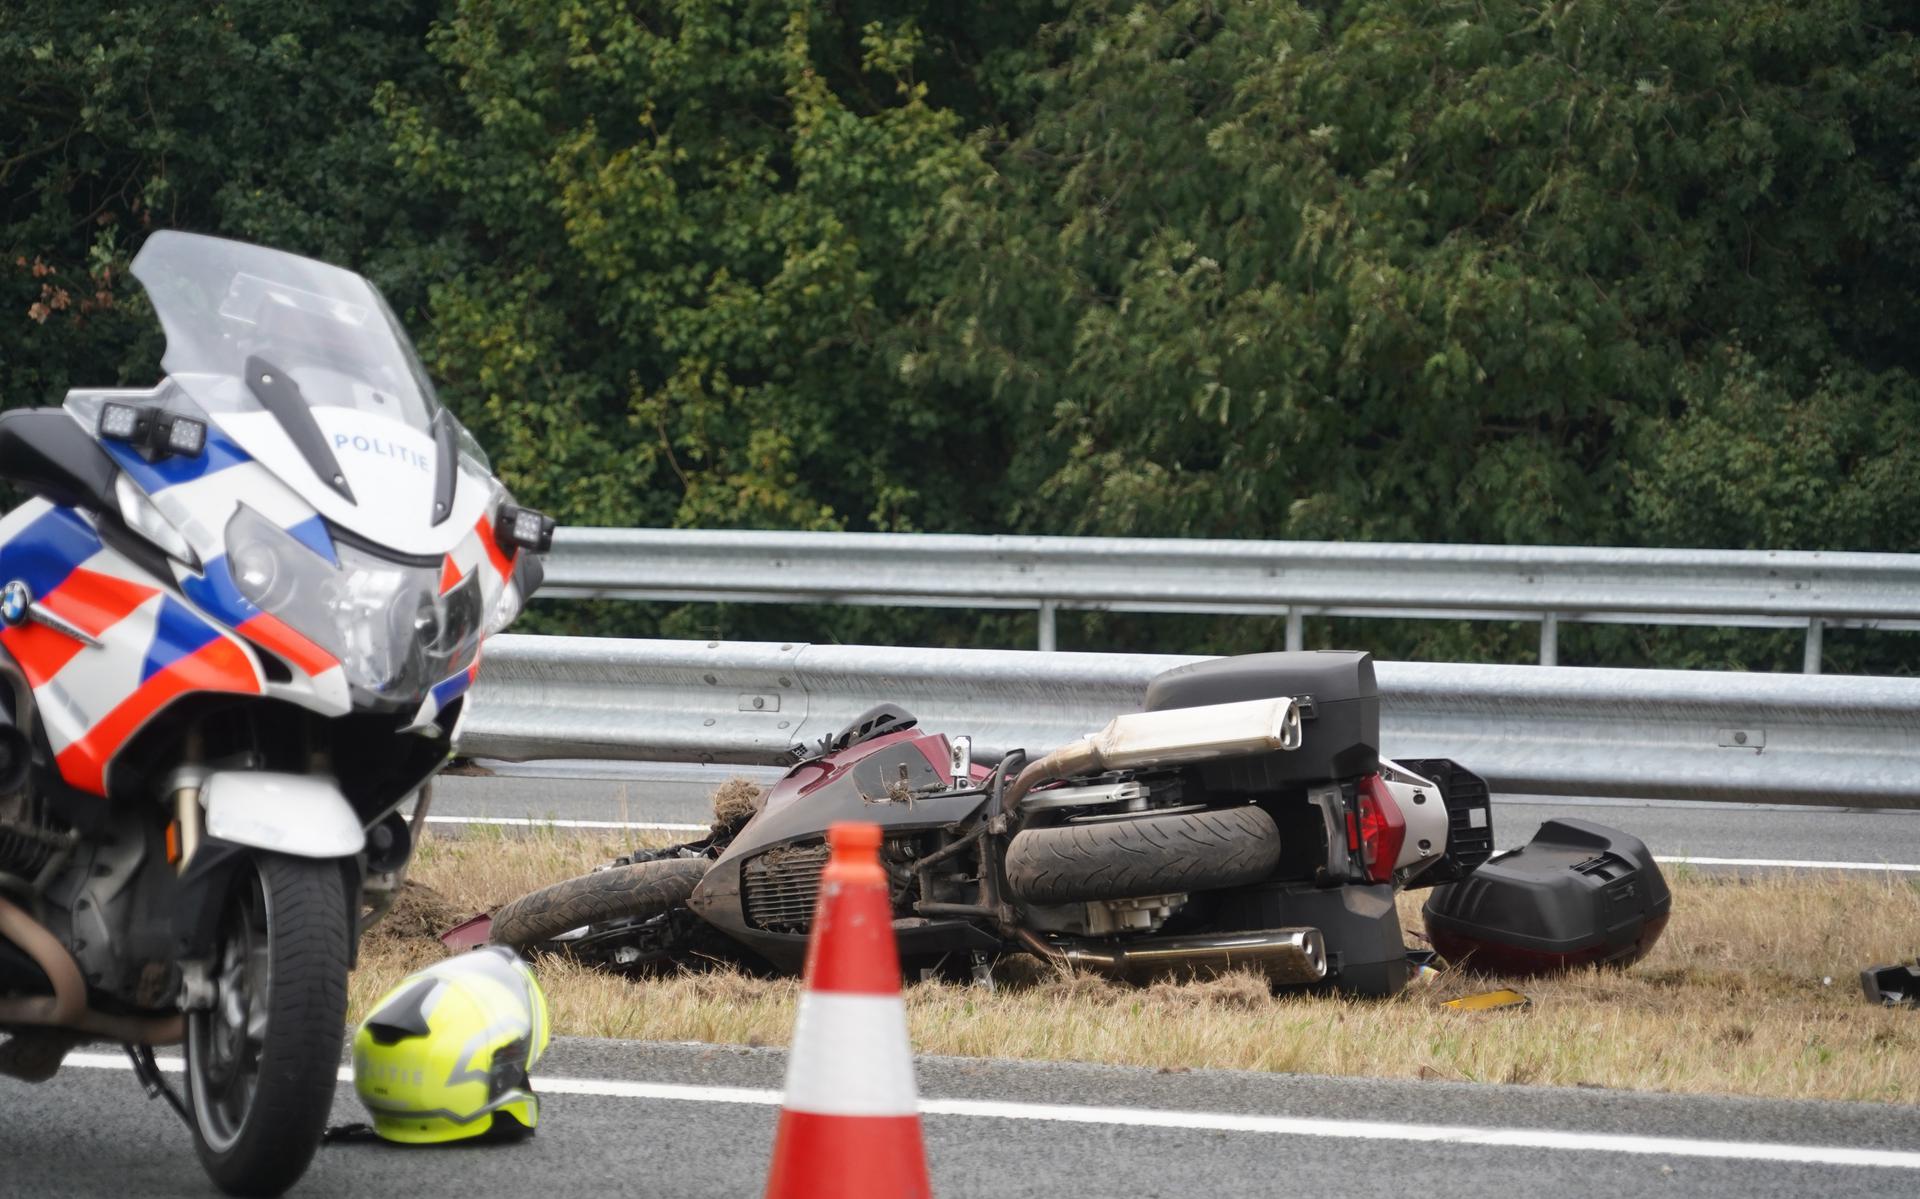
(899, 781)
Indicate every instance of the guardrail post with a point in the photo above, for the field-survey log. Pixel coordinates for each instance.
(1814, 630)
(1296, 630)
(1549, 640)
(1048, 640)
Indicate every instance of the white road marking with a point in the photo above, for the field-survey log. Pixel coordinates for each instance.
(1772, 863)
(1297, 1126)
(1794, 864)
(529, 822)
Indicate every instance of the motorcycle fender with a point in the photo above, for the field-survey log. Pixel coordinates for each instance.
(303, 815)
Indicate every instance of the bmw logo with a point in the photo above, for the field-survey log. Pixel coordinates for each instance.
(15, 600)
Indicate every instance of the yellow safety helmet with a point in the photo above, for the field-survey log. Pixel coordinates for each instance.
(444, 1056)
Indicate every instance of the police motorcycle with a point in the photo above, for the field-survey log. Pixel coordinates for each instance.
(237, 620)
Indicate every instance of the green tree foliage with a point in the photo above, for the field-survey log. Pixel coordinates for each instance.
(1458, 271)
(247, 118)
(1583, 271)
(697, 221)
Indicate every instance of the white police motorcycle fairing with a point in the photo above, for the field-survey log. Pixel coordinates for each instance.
(237, 620)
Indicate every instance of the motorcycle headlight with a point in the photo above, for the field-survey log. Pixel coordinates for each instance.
(393, 632)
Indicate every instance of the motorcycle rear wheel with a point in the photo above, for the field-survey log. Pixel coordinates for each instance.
(1151, 855)
(262, 1062)
(641, 889)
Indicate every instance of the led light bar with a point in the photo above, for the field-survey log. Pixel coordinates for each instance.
(123, 422)
(186, 436)
(155, 430)
(519, 528)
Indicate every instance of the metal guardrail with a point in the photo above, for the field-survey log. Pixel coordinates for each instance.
(1528, 729)
(1756, 589)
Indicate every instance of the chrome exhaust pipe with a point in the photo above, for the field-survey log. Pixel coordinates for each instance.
(67, 1007)
(1284, 955)
(1171, 738)
(69, 999)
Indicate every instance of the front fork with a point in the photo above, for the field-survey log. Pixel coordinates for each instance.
(221, 819)
(184, 836)
(389, 854)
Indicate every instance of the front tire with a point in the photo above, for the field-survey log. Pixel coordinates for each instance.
(261, 1064)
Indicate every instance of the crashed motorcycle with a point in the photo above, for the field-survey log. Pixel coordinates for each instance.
(1243, 819)
(237, 620)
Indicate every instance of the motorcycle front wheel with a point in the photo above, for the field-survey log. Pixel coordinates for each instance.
(638, 890)
(261, 1063)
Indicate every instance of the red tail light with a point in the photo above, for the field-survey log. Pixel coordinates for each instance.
(1382, 829)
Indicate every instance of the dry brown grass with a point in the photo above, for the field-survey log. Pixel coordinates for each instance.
(735, 800)
(1733, 1000)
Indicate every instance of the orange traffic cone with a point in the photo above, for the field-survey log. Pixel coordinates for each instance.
(850, 1123)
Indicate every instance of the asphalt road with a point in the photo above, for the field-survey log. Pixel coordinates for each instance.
(619, 793)
(631, 1118)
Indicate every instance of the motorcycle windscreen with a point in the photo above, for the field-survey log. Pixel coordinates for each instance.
(223, 302)
(305, 366)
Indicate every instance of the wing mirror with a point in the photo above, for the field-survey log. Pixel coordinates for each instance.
(47, 452)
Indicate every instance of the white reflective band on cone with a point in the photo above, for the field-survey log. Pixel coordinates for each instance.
(850, 1057)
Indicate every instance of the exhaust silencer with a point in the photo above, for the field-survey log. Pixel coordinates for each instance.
(1285, 955)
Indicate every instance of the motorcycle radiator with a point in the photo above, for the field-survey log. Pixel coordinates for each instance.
(779, 887)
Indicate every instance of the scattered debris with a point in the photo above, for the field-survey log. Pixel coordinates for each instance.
(735, 800)
(1425, 965)
(470, 933)
(418, 913)
(1892, 986)
(1489, 1001)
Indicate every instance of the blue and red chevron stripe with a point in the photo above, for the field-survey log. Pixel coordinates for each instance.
(45, 556)
(215, 591)
(218, 666)
(454, 686)
(221, 452)
(184, 654)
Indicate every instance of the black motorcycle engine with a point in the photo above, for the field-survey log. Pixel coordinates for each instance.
(29, 836)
